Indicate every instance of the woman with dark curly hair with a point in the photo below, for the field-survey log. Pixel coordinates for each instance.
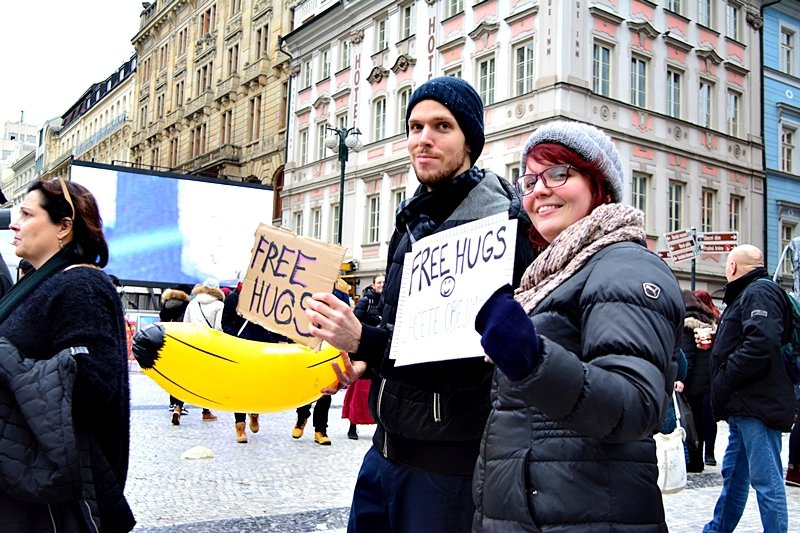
(66, 310)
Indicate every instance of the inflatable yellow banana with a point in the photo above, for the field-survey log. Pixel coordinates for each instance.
(208, 368)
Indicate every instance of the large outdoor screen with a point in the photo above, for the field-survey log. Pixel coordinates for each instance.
(164, 230)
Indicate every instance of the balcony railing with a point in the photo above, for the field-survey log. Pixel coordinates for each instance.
(228, 87)
(199, 103)
(258, 71)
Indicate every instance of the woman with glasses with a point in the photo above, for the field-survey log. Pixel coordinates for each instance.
(584, 352)
(65, 319)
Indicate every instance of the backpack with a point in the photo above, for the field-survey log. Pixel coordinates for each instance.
(791, 349)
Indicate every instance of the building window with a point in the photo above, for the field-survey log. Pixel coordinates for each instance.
(674, 6)
(316, 223)
(302, 147)
(344, 54)
(379, 118)
(407, 20)
(673, 94)
(787, 234)
(398, 195)
(486, 80)
(226, 127)
(155, 157)
(262, 41)
(143, 116)
(453, 72)
(705, 104)
(307, 71)
(787, 149)
(733, 113)
(373, 219)
(732, 12)
(233, 59)
(254, 119)
(341, 121)
(523, 69)
(381, 35)
(707, 201)
(639, 188)
(402, 100)
(174, 152)
(453, 7)
(335, 223)
(601, 70)
(638, 82)
(787, 51)
(512, 172)
(235, 7)
(163, 56)
(179, 94)
(161, 105)
(321, 131)
(704, 13)
(203, 78)
(298, 223)
(198, 140)
(325, 64)
(183, 41)
(208, 20)
(675, 206)
(735, 213)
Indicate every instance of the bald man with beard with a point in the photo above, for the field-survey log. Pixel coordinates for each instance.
(751, 390)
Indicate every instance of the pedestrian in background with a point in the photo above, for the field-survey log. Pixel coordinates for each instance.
(417, 476)
(708, 422)
(205, 308)
(697, 385)
(751, 389)
(585, 353)
(355, 408)
(793, 470)
(173, 308)
(68, 303)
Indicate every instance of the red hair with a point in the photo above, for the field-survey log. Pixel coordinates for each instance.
(705, 299)
(557, 154)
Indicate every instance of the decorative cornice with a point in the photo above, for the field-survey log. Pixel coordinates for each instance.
(356, 36)
(600, 13)
(449, 45)
(377, 74)
(486, 26)
(643, 26)
(735, 67)
(674, 42)
(321, 100)
(708, 54)
(403, 62)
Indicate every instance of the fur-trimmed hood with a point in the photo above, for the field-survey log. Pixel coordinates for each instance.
(173, 294)
(216, 293)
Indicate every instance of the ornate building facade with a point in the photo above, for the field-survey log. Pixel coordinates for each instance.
(211, 89)
(676, 84)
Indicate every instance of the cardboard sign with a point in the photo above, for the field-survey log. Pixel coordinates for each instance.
(284, 270)
(447, 277)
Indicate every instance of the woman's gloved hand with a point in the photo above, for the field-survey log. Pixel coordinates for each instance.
(507, 334)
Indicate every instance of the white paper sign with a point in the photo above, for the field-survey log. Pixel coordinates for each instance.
(447, 277)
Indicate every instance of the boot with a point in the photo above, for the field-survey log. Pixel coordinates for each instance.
(241, 436)
(297, 431)
(320, 437)
(176, 416)
(352, 433)
(254, 427)
(208, 416)
(793, 476)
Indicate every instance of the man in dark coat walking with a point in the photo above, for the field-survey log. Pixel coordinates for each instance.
(751, 389)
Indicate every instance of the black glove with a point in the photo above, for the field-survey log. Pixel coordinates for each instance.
(507, 334)
(146, 344)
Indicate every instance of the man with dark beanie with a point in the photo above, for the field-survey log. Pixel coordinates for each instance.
(417, 476)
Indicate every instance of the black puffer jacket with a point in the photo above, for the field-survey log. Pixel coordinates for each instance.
(431, 415)
(571, 445)
(368, 309)
(748, 377)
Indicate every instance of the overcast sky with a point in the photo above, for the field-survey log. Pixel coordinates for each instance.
(52, 51)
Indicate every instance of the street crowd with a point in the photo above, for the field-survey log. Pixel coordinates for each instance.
(552, 430)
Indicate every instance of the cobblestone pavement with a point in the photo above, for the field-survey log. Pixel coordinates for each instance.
(276, 483)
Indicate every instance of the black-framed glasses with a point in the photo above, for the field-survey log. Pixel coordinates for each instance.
(553, 177)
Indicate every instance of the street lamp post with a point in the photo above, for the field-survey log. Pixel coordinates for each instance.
(346, 139)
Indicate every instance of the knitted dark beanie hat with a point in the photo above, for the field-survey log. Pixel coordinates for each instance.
(463, 102)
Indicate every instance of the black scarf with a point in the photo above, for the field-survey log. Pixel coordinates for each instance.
(22, 289)
(426, 210)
